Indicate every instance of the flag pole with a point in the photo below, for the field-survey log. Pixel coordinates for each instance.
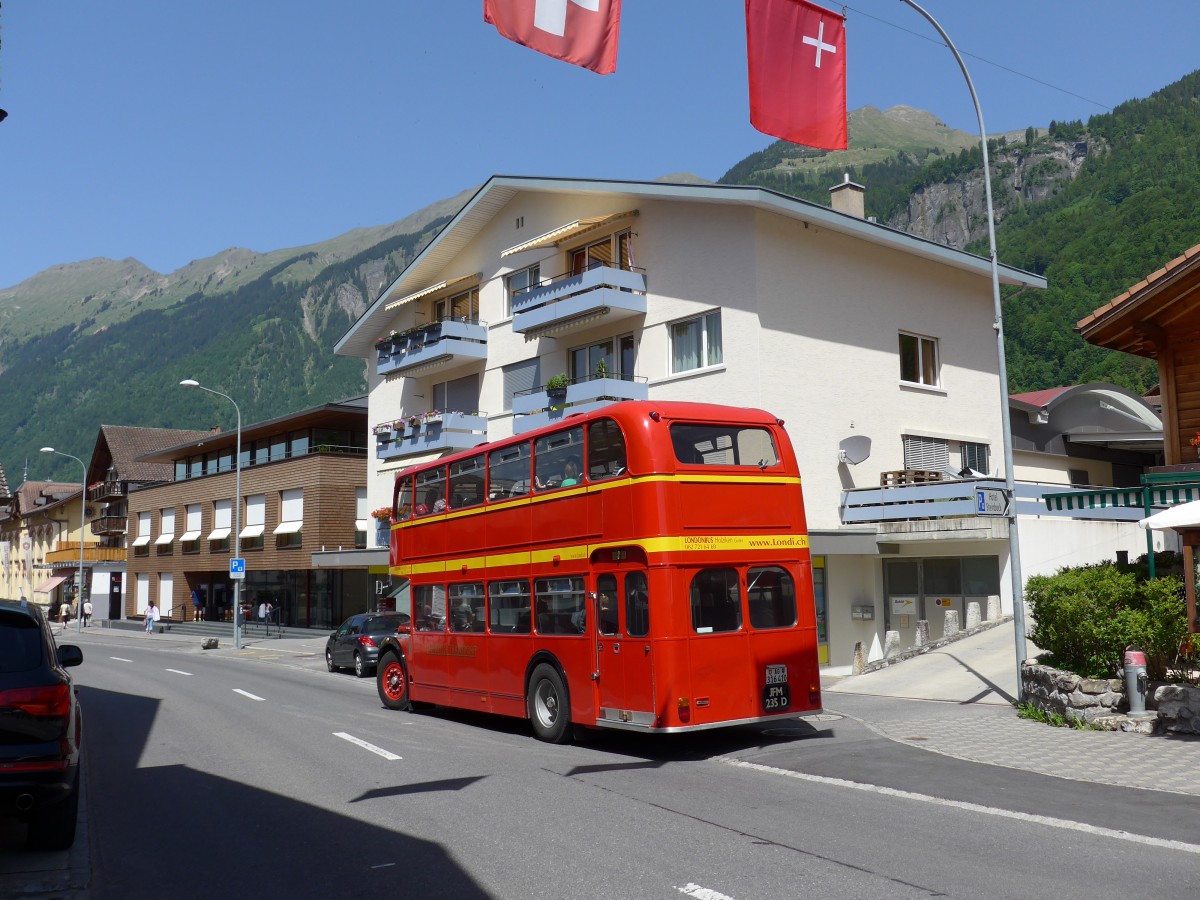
(1014, 544)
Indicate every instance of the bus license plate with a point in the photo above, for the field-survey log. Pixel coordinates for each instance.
(777, 695)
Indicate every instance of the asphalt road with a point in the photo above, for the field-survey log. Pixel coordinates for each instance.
(259, 774)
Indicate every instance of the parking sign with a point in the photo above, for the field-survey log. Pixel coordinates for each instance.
(237, 568)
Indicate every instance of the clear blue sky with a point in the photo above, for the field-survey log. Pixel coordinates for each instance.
(168, 130)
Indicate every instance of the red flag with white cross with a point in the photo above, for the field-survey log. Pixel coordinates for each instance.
(581, 32)
(796, 52)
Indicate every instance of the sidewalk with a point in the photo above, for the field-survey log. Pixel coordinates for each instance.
(957, 701)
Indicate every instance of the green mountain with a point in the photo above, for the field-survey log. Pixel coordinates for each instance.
(1094, 207)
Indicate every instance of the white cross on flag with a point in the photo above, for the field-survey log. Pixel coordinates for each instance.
(581, 32)
(797, 58)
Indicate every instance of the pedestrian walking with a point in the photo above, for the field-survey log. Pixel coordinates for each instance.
(64, 613)
(151, 617)
(87, 612)
(262, 613)
(197, 604)
(270, 614)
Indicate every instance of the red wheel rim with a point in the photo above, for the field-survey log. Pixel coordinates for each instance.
(393, 681)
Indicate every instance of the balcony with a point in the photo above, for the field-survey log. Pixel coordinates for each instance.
(535, 408)
(66, 554)
(109, 526)
(103, 491)
(924, 506)
(429, 433)
(579, 301)
(447, 346)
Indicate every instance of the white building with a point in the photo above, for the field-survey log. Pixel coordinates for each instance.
(875, 347)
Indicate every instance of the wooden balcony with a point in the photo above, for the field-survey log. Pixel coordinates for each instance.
(110, 526)
(106, 490)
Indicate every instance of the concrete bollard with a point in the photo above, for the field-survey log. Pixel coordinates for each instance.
(993, 608)
(922, 637)
(952, 627)
(973, 614)
(856, 667)
(891, 644)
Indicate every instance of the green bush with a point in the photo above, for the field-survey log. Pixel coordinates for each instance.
(1086, 617)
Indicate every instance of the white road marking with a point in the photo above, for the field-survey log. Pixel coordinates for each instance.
(247, 694)
(383, 866)
(1050, 821)
(120, 659)
(361, 743)
(702, 893)
(179, 672)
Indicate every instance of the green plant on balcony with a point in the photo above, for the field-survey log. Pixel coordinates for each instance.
(602, 368)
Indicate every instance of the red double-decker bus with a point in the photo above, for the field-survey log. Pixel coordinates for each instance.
(642, 566)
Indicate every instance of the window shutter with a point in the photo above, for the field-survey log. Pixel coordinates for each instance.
(926, 453)
(522, 376)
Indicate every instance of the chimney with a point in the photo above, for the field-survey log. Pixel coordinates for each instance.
(848, 198)
(216, 429)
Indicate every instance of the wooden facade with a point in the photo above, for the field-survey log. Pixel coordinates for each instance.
(1159, 318)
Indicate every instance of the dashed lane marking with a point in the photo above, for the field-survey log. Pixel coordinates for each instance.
(359, 742)
(180, 672)
(120, 659)
(247, 694)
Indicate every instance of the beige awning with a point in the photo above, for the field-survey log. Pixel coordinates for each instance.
(218, 534)
(50, 584)
(461, 281)
(288, 527)
(569, 231)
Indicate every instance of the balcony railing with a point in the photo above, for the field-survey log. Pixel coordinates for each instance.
(575, 301)
(958, 499)
(430, 432)
(109, 526)
(541, 406)
(102, 491)
(449, 344)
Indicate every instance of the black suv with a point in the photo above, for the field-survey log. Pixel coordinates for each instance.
(40, 727)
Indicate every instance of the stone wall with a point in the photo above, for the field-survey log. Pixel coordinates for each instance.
(1171, 708)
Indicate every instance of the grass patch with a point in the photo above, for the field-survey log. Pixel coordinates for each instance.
(1037, 714)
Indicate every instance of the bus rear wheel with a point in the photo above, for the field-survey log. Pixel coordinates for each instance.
(391, 680)
(548, 706)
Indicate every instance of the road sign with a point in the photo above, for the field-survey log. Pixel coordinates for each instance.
(237, 568)
(991, 502)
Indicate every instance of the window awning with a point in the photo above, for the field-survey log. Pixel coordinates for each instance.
(218, 534)
(288, 527)
(165, 538)
(189, 536)
(361, 525)
(252, 531)
(461, 281)
(49, 584)
(141, 540)
(566, 232)
(1130, 497)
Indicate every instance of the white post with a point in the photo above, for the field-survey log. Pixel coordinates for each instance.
(82, 526)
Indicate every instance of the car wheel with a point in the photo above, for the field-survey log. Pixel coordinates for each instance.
(548, 706)
(360, 667)
(329, 660)
(53, 827)
(391, 680)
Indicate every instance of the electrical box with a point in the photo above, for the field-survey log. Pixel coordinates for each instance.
(862, 612)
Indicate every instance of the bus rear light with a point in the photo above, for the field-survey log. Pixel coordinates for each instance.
(683, 703)
(814, 694)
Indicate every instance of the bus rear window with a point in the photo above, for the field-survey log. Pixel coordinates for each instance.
(772, 596)
(716, 601)
(723, 445)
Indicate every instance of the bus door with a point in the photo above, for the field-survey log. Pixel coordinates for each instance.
(624, 659)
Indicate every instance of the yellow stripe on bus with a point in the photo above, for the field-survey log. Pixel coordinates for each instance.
(689, 543)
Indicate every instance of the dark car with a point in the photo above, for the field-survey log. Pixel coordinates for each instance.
(355, 645)
(40, 727)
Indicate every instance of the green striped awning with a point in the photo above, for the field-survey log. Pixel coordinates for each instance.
(1131, 497)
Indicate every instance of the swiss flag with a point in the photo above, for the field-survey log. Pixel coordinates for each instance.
(797, 59)
(582, 32)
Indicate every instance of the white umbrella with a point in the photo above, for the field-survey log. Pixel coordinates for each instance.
(1182, 515)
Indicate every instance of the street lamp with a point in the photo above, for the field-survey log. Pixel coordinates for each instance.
(82, 526)
(237, 510)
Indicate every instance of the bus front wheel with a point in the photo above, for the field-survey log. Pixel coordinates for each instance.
(548, 705)
(391, 680)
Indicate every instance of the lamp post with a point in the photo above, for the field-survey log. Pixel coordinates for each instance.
(237, 510)
(82, 526)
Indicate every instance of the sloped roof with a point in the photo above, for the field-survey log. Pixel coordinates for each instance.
(54, 492)
(1039, 398)
(427, 267)
(122, 447)
(1127, 321)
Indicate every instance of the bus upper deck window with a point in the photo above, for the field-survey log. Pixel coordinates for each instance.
(508, 471)
(466, 483)
(403, 499)
(605, 451)
(558, 459)
(431, 491)
(723, 445)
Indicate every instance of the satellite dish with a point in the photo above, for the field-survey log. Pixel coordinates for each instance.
(854, 449)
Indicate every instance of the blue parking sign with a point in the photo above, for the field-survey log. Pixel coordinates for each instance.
(237, 568)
